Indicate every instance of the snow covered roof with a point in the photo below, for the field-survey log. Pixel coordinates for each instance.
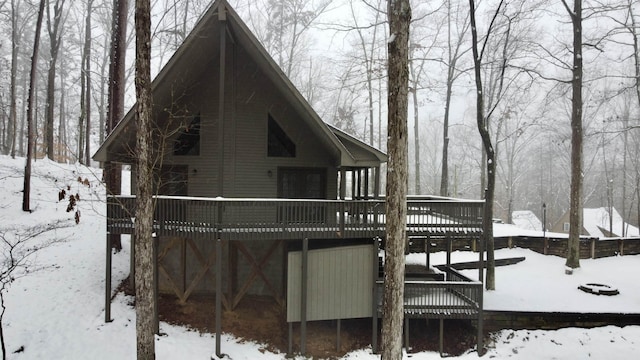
(597, 222)
(526, 219)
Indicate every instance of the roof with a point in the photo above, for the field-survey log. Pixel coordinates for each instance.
(196, 52)
(526, 219)
(597, 222)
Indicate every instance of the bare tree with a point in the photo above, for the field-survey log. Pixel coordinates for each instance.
(399, 14)
(116, 89)
(144, 257)
(460, 23)
(87, 74)
(485, 135)
(17, 250)
(26, 193)
(575, 208)
(54, 28)
(15, 38)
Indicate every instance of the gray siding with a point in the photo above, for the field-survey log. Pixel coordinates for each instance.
(250, 97)
(340, 282)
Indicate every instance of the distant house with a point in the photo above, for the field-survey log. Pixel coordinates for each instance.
(600, 223)
(526, 219)
(258, 196)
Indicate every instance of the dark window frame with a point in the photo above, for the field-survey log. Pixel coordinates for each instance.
(187, 142)
(279, 144)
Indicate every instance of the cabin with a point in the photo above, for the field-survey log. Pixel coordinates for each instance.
(256, 195)
(600, 223)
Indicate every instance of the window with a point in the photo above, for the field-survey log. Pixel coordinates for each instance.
(565, 227)
(279, 144)
(302, 183)
(188, 141)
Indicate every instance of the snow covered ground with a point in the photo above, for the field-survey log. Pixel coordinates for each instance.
(58, 312)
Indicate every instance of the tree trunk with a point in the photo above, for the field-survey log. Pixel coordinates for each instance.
(115, 111)
(416, 134)
(87, 74)
(575, 203)
(55, 39)
(399, 12)
(26, 193)
(489, 154)
(14, 70)
(144, 257)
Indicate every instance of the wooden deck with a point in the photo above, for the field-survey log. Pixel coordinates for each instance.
(458, 297)
(280, 219)
(234, 221)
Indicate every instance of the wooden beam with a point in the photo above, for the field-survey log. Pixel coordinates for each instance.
(107, 283)
(256, 271)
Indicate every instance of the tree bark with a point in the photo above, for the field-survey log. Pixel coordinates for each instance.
(144, 259)
(489, 153)
(87, 75)
(14, 70)
(575, 202)
(55, 39)
(115, 110)
(399, 12)
(26, 193)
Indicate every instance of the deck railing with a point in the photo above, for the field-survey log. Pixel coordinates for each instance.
(248, 219)
(458, 297)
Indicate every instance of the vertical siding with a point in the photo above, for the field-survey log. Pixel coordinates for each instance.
(339, 283)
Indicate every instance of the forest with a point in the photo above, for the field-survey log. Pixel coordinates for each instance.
(335, 52)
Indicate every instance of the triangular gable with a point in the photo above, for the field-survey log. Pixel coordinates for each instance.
(195, 53)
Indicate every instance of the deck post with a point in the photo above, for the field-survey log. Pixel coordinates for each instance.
(343, 183)
(374, 290)
(376, 184)
(303, 296)
(156, 318)
(441, 341)
(218, 295)
(406, 333)
(107, 282)
(338, 335)
(132, 262)
(480, 339)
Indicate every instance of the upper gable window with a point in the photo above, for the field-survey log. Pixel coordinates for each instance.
(188, 141)
(279, 143)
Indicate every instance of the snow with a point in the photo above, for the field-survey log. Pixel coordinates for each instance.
(526, 219)
(597, 219)
(58, 312)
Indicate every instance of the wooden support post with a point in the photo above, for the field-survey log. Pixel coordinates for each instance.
(183, 264)
(480, 339)
(376, 184)
(132, 263)
(593, 248)
(621, 244)
(441, 341)
(303, 296)
(156, 318)
(366, 183)
(406, 333)
(545, 249)
(374, 289)
(343, 183)
(218, 295)
(232, 284)
(427, 250)
(481, 259)
(107, 282)
(290, 338)
(338, 335)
